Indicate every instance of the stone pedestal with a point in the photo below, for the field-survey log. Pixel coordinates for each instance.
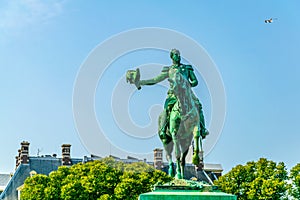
(186, 190)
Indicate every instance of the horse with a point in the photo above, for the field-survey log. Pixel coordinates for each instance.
(183, 126)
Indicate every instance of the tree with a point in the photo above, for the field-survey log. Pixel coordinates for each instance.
(34, 187)
(263, 179)
(295, 179)
(134, 183)
(57, 180)
(103, 180)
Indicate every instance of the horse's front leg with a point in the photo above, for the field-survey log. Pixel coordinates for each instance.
(185, 144)
(169, 149)
(166, 140)
(174, 126)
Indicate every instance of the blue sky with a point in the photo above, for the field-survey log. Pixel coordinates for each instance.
(44, 43)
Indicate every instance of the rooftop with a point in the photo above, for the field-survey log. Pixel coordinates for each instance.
(4, 179)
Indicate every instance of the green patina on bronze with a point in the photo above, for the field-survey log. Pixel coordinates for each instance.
(180, 189)
(186, 195)
(182, 184)
(182, 119)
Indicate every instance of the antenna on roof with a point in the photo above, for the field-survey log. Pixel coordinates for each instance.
(39, 151)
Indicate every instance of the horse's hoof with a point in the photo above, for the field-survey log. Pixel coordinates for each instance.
(171, 171)
(178, 176)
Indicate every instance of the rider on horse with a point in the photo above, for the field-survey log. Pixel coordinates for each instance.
(188, 73)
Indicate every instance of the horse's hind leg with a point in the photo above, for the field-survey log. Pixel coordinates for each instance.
(196, 159)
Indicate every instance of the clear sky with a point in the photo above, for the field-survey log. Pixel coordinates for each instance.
(44, 43)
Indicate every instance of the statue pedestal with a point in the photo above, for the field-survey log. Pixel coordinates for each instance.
(186, 190)
(186, 195)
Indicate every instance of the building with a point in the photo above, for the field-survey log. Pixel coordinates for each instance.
(27, 166)
(4, 179)
(158, 159)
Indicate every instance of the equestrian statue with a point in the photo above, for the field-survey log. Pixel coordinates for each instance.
(181, 123)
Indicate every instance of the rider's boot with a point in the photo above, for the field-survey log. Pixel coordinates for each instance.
(203, 131)
(162, 127)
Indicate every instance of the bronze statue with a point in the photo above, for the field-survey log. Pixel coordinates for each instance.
(182, 118)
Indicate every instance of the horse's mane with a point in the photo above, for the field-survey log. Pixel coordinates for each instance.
(183, 91)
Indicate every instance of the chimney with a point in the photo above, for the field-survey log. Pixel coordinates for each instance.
(18, 158)
(23, 154)
(17, 161)
(66, 155)
(158, 158)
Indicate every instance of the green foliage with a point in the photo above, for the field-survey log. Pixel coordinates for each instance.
(134, 183)
(34, 187)
(295, 178)
(103, 180)
(111, 162)
(57, 178)
(263, 179)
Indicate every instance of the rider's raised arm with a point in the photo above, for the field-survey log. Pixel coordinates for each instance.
(162, 76)
(192, 76)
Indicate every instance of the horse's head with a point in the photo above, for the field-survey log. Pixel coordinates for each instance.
(181, 88)
(178, 84)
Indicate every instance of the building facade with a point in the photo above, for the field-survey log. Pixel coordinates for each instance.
(27, 166)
